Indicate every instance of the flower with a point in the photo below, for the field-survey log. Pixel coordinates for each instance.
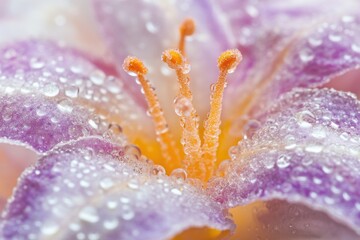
(293, 174)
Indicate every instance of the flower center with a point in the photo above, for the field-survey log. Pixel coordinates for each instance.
(200, 156)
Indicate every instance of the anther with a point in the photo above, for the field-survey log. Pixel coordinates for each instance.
(187, 28)
(173, 58)
(169, 151)
(227, 63)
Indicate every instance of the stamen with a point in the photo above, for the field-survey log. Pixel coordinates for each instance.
(169, 151)
(227, 63)
(187, 28)
(185, 110)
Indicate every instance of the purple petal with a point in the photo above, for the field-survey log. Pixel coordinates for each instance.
(93, 189)
(66, 77)
(147, 28)
(281, 40)
(306, 151)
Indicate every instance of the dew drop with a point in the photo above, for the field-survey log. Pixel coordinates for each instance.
(158, 170)
(179, 174)
(65, 106)
(306, 56)
(133, 151)
(176, 191)
(314, 42)
(49, 228)
(72, 92)
(314, 148)
(106, 183)
(36, 63)
(133, 184)
(283, 161)
(111, 224)
(183, 106)
(93, 124)
(335, 38)
(89, 214)
(306, 119)
(97, 77)
(355, 48)
(128, 214)
(50, 90)
(250, 128)
(151, 27)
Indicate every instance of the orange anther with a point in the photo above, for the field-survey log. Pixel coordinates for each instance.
(187, 28)
(229, 60)
(173, 58)
(134, 65)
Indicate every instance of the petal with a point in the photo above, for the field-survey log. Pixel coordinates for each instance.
(94, 189)
(306, 151)
(63, 74)
(147, 28)
(281, 40)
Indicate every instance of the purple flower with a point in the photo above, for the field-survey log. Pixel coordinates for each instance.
(106, 161)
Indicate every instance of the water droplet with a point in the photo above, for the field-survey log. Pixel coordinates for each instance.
(179, 174)
(133, 151)
(250, 128)
(306, 119)
(97, 77)
(50, 90)
(112, 204)
(65, 106)
(128, 214)
(41, 111)
(347, 19)
(49, 228)
(176, 191)
(252, 11)
(151, 27)
(314, 148)
(72, 92)
(223, 167)
(106, 183)
(89, 214)
(315, 42)
(36, 63)
(93, 124)
(183, 106)
(111, 224)
(9, 54)
(186, 68)
(133, 184)
(335, 38)
(158, 170)
(283, 161)
(355, 48)
(234, 152)
(306, 56)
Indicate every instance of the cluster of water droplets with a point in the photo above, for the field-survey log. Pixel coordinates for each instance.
(61, 76)
(94, 190)
(306, 149)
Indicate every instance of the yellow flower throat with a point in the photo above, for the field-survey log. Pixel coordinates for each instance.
(200, 156)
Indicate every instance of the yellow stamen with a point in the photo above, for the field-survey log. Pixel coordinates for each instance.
(187, 28)
(169, 151)
(227, 63)
(185, 109)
